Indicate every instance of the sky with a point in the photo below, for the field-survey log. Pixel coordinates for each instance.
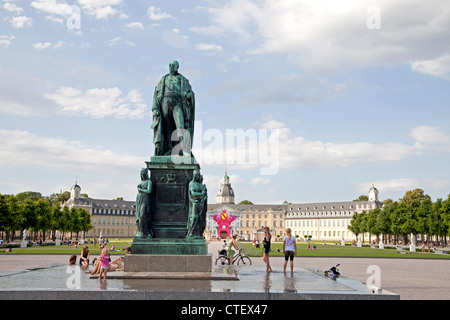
(298, 100)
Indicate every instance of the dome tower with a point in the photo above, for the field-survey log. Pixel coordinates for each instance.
(225, 195)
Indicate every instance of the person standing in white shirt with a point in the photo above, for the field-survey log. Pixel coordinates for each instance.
(289, 249)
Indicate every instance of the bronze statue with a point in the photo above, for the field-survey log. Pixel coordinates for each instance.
(197, 207)
(143, 206)
(173, 113)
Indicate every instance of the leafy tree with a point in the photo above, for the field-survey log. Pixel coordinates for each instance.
(63, 197)
(423, 216)
(416, 194)
(245, 202)
(362, 198)
(31, 195)
(44, 214)
(357, 223)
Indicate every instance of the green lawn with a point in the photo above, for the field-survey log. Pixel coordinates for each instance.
(64, 249)
(328, 250)
(339, 251)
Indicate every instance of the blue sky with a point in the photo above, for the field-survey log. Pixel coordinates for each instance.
(349, 93)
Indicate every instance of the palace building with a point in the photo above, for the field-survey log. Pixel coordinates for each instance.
(320, 221)
(110, 218)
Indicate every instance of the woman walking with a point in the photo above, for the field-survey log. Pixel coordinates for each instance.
(266, 243)
(289, 249)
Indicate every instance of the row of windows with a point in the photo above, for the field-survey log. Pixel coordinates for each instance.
(112, 221)
(319, 214)
(324, 234)
(260, 224)
(112, 232)
(253, 216)
(316, 223)
(316, 208)
(113, 211)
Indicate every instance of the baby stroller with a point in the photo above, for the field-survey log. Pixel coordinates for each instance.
(333, 272)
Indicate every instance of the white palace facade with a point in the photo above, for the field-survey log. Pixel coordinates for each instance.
(327, 221)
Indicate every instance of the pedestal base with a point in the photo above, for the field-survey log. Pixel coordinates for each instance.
(168, 263)
(184, 246)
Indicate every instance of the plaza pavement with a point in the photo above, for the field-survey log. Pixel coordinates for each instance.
(412, 279)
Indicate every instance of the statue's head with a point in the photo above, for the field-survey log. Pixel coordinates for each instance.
(173, 67)
(197, 175)
(144, 174)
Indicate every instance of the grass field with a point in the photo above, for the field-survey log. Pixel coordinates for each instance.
(70, 250)
(340, 251)
(328, 250)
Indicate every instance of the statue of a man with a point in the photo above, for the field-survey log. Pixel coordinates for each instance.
(143, 206)
(173, 113)
(197, 206)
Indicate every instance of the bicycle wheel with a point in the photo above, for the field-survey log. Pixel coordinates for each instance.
(222, 261)
(244, 261)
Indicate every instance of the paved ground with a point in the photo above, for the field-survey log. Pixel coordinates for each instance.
(411, 279)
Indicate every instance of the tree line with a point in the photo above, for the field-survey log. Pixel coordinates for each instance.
(415, 214)
(40, 215)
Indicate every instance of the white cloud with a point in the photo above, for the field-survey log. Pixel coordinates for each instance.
(259, 181)
(156, 14)
(176, 38)
(431, 136)
(21, 22)
(22, 148)
(46, 45)
(42, 45)
(211, 30)
(118, 40)
(439, 67)
(99, 102)
(113, 41)
(328, 35)
(55, 19)
(208, 47)
(399, 186)
(11, 7)
(53, 7)
(135, 25)
(280, 148)
(22, 94)
(391, 185)
(100, 9)
(5, 41)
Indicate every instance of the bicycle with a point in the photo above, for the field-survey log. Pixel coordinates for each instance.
(240, 258)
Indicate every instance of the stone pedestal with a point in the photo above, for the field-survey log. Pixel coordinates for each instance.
(170, 178)
(23, 244)
(168, 263)
(171, 246)
(170, 200)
